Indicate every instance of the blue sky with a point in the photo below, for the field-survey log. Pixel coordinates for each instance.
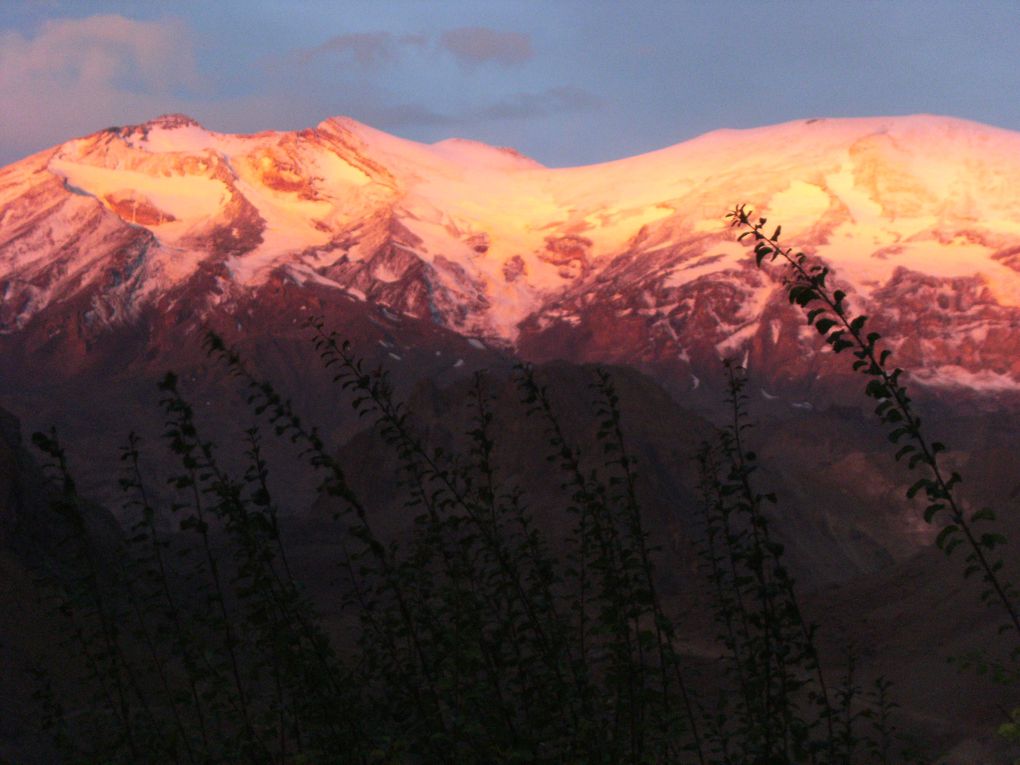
(565, 82)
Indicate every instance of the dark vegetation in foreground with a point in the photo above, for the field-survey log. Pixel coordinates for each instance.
(477, 642)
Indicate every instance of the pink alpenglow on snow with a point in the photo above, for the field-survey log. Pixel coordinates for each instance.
(908, 211)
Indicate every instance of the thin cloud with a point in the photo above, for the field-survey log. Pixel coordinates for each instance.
(408, 115)
(101, 51)
(548, 102)
(93, 72)
(520, 106)
(414, 40)
(479, 45)
(369, 50)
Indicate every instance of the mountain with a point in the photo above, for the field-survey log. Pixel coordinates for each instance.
(118, 249)
(629, 261)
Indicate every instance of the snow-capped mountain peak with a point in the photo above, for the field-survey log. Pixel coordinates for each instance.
(915, 214)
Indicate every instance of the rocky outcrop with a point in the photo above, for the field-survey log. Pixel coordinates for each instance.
(628, 262)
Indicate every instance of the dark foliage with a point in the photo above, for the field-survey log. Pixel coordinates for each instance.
(476, 642)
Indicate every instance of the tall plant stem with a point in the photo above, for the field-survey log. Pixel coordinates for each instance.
(808, 286)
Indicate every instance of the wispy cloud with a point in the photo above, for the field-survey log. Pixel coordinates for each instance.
(92, 71)
(520, 106)
(70, 77)
(478, 45)
(543, 104)
(368, 50)
(101, 51)
(409, 115)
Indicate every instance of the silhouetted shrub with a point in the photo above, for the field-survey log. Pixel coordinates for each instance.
(476, 642)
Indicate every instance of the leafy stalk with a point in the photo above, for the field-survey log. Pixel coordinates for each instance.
(829, 313)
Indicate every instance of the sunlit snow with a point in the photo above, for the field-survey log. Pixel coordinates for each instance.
(508, 237)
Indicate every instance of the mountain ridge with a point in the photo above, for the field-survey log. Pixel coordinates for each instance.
(119, 249)
(627, 261)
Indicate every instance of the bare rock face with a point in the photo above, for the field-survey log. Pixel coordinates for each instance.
(118, 249)
(627, 262)
(951, 322)
(569, 253)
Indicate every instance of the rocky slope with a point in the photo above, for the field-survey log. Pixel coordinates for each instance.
(117, 249)
(629, 261)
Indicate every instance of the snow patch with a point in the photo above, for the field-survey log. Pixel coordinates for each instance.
(775, 327)
(937, 196)
(952, 376)
(737, 340)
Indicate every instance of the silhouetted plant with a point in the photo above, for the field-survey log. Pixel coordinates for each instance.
(475, 637)
(476, 642)
(91, 599)
(781, 710)
(827, 310)
(223, 661)
(880, 744)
